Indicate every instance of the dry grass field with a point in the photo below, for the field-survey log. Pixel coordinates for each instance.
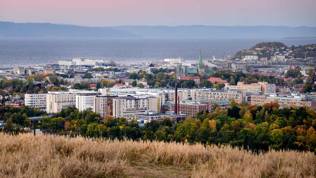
(56, 156)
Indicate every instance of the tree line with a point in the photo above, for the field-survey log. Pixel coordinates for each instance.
(257, 128)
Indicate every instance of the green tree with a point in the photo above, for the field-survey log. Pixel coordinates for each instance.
(187, 130)
(134, 83)
(87, 75)
(53, 125)
(294, 72)
(134, 76)
(309, 85)
(204, 132)
(247, 116)
(187, 84)
(10, 127)
(162, 134)
(233, 111)
(276, 138)
(206, 84)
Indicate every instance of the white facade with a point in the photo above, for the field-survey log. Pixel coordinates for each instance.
(80, 62)
(279, 58)
(65, 63)
(165, 95)
(291, 101)
(129, 106)
(173, 61)
(86, 62)
(103, 105)
(258, 87)
(284, 101)
(85, 102)
(250, 58)
(104, 91)
(35, 101)
(56, 101)
(206, 95)
(19, 70)
(154, 104)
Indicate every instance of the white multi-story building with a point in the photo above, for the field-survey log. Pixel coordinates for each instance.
(103, 105)
(80, 62)
(86, 62)
(173, 61)
(284, 101)
(250, 58)
(85, 101)
(279, 58)
(200, 95)
(130, 106)
(259, 87)
(154, 104)
(19, 70)
(207, 95)
(35, 101)
(58, 100)
(220, 97)
(65, 63)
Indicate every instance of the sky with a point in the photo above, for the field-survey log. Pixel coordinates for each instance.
(161, 12)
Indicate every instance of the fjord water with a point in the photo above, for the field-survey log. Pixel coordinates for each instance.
(29, 51)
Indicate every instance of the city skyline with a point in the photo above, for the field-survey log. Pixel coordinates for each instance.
(163, 12)
(157, 88)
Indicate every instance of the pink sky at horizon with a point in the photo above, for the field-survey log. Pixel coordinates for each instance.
(161, 12)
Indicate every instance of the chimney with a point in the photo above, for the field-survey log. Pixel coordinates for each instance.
(176, 100)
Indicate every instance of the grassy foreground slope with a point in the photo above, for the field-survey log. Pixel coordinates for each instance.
(56, 156)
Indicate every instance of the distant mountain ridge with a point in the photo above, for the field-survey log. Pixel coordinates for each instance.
(46, 30)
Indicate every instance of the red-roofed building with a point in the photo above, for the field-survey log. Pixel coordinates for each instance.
(93, 86)
(217, 80)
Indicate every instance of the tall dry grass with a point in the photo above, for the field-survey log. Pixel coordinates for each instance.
(56, 156)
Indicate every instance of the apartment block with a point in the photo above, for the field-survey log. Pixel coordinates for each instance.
(210, 95)
(259, 87)
(58, 100)
(103, 105)
(37, 101)
(284, 101)
(85, 101)
(130, 106)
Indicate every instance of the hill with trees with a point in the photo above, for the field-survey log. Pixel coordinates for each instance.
(270, 49)
(269, 45)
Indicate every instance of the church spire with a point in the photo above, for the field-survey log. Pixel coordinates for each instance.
(200, 63)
